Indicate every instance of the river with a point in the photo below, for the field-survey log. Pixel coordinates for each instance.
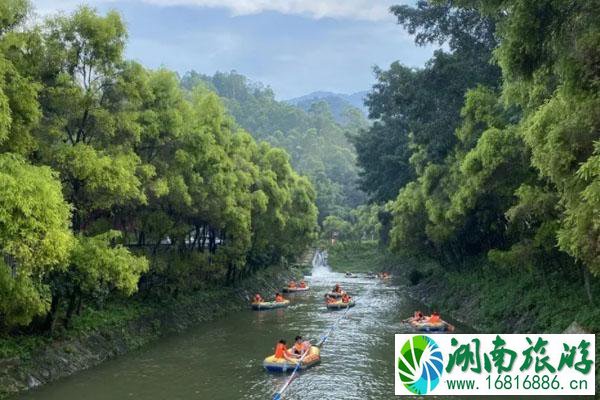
(223, 359)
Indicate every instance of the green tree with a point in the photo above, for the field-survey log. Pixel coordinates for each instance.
(422, 107)
(88, 127)
(19, 108)
(163, 189)
(35, 239)
(317, 144)
(336, 227)
(546, 54)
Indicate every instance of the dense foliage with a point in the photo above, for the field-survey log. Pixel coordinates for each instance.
(317, 144)
(493, 148)
(416, 112)
(342, 105)
(360, 224)
(114, 176)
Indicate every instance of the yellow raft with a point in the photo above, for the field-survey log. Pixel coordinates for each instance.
(269, 305)
(425, 326)
(273, 364)
(338, 305)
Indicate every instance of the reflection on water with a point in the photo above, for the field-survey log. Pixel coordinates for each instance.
(223, 359)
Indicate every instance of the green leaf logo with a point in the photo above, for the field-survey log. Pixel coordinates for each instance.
(420, 364)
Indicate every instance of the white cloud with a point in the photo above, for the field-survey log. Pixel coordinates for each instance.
(371, 10)
(352, 9)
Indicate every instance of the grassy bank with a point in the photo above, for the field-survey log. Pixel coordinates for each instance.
(96, 335)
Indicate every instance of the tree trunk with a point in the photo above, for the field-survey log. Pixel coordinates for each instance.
(79, 305)
(212, 241)
(70, 309)
(196, 236)
(587, 284)
(155, 248)
(202, 239)
(50, 322)
(141, 239)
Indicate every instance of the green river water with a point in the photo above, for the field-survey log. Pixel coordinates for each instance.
(223, 359)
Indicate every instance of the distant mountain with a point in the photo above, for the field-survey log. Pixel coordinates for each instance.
(338, 102)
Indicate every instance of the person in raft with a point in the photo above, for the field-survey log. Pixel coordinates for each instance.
(257, 298)
(302, 284)
(292, 285)
(418, 317)
(346, 298)
(281, 350)
(330, 299)
(337, 288)
(278, 297)
(300, 347)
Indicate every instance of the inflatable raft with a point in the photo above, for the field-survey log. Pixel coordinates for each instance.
(296, 289)
(338, 305)
(269, 305)
(273, 364)
(425, 326)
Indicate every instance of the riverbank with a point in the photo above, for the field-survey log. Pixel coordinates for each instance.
(27, 361)
(483, 296)
(480, 294)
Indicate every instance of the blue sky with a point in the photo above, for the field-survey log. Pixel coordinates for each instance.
(294, 46)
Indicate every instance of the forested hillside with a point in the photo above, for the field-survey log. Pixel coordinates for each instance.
(493, 149)
(113, 174)
(338, 102)
(317, 144)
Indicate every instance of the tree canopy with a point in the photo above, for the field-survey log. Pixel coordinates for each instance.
(416, 111)
(317, 144)
(492, 148)
(115, 177)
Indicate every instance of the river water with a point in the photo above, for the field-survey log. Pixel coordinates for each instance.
(223, 359)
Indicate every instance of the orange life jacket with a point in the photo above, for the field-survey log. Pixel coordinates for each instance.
(280, 350)
(434, 319)
(346, 299)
